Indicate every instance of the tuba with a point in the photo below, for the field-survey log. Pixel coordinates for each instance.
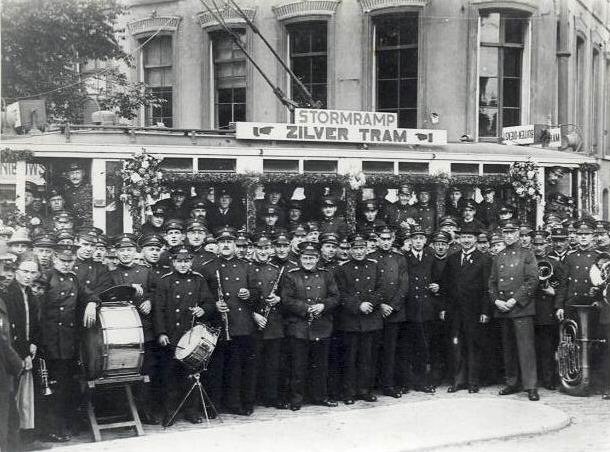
(545, 273)
(574, 351)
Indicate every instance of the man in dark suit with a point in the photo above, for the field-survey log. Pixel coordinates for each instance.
(513, 279)
(226, 213)
(420, 308)
(465, 283)
(455, 202)
(489, 207)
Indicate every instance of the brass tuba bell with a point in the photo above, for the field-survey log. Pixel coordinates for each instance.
(545, 273)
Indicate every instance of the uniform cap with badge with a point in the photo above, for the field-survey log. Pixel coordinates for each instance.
(158, 211)
(299, 231)
(559, 233)
(540, 237)
(226, 233)
(482, 238)
(584, 227)
(63, 216)
(195, 225)
(329, 201)
(173, 224)
(281, 238)
(262, 241)
(182, 253)
(65, 253)
(151, 240)
(510, 225)
(417, 229)
(369, 206)
(329, 237)
(44, 240)
(470, 204)
(309, 248)
(440, 236)
(87, 233)
(125, 240)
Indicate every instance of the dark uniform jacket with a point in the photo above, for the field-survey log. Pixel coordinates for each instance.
(425, 216)
(514, 274)
(487, 212)
(421, 306)
(301, 289)
(61, 314)
(336, 224)
(234, 274)
(454, 210)
(13, 297)
(137, 274)
(397, 213)
(393, 282)
(288, 263)
(365, 226)
(173, 211)
(358, 282)
(93, 276)
(575, 285)
(175, 294)
(234, 217)
(148, 228)
(79, 200)
(466, 288)
(478, 225)
(264, 277)
(201, 257)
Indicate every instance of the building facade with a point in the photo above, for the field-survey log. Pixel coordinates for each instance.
(470, 67)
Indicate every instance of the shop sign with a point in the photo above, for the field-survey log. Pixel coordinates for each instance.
(33, 173)
(338, 133)
(518, 134)
(307, 116)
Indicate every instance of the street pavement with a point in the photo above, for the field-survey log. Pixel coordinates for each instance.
(453, 422)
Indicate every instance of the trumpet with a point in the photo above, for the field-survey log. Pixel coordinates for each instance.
(43, 374)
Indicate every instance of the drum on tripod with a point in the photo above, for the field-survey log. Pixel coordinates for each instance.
(196, 347)
(115, 345)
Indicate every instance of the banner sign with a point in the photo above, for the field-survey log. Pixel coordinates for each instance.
(518, 134)
(338, 133)
(307, 116)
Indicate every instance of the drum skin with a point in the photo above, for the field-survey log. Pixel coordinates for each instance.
(196, 346)
(115, 345)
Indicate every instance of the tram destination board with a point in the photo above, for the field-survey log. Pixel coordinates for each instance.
(339, 133)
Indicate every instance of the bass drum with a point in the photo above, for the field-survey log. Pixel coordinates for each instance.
(115, 345)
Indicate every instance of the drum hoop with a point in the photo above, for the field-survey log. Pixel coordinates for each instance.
(104, 328)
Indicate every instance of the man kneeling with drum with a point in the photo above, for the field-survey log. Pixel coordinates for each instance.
(181, 299)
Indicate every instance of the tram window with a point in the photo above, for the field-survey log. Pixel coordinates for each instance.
(376, 166)
(465, 168)
(173, 163)
(492, 168)
(413, 168)
(280, 166)
(214, 164)
(320, 166)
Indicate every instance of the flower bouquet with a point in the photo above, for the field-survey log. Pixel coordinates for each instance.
(524, 178)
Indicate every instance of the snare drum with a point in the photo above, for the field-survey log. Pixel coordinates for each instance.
(115, 346)
(196, 346)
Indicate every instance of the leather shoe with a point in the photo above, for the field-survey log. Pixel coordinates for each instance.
(327, 402)
(195, 418)
(295, 406)
(368, 397)
(404, 390)
(473, 389)
(606, 396)
(391, 392)
(532, 394)
(349, 401)
(58, 438)
(456, 388)
(425, 388)
(282, 405)
(507, 390)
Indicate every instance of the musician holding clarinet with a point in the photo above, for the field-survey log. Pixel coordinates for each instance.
(231, 369)
(268, 318)
(181, 299)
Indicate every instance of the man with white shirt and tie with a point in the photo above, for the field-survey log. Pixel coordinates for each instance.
(465, 282)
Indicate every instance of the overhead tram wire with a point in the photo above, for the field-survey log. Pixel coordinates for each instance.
(288, 103)
(312, 102)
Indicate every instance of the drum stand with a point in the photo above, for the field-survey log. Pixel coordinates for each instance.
(203, 396)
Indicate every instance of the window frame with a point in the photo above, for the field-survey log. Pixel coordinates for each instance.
(146, 112)
(524, 85)
(213, 91)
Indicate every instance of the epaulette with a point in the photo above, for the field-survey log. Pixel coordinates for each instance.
(273, 265)
(553, 257)
(396, 252)
(343, 262)
(167, 274)
(570, 252)
(71, 273)
(197, 273)
(293, 270)
(372, 260)
(293, 262)
(207, 262)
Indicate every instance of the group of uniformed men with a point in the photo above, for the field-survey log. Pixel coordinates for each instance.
(308, 314)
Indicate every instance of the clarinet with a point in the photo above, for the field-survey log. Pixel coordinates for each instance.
(267, 308)
(225, 316)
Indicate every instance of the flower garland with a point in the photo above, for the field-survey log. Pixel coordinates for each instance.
(8, 155)
(142, 182)
(525, 180)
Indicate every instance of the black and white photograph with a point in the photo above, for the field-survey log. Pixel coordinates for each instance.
(305, 225)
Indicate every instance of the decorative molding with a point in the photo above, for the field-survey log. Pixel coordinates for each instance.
(228, 15)
(306, 8)
(375, 5)
(152, 24)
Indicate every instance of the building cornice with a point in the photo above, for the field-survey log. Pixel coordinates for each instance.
(306, 8)
(375, 5)
(153, 24)
(228, 15)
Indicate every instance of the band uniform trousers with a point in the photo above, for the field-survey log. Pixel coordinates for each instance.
(519, 351)
(232, 373)
(175, 383)
(65, 398)
(309, 363)
(270, 356)
(357, 362)
(546, 345)
(416, 353)
(391, 367)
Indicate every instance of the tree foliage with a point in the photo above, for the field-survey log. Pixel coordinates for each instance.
(47, 43)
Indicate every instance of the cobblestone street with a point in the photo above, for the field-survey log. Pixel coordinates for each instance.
(588, 429)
